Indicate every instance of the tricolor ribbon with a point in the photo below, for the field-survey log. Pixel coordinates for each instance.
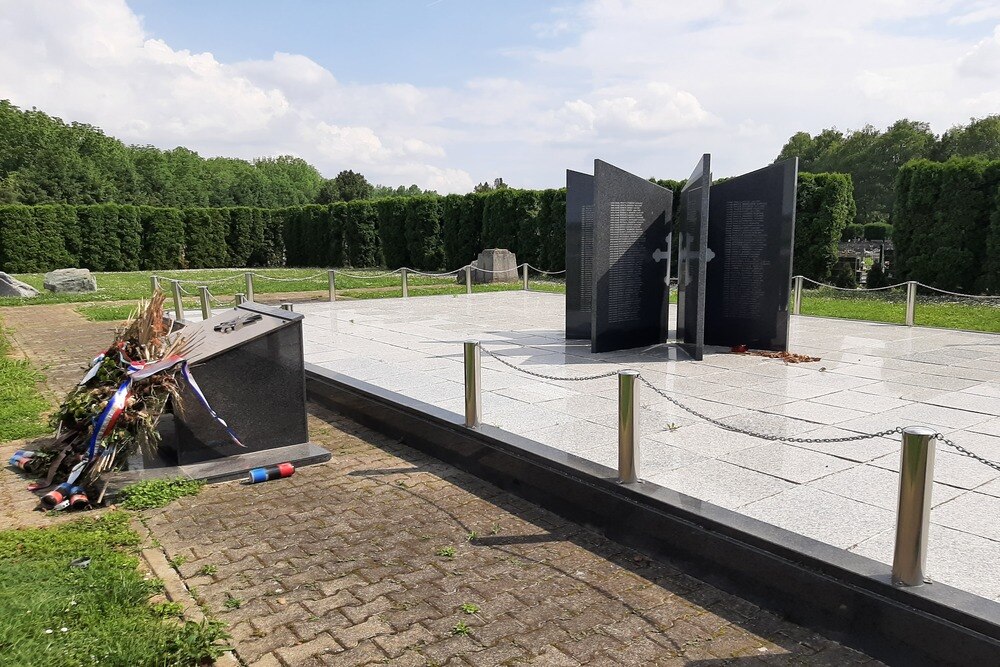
(140, 370)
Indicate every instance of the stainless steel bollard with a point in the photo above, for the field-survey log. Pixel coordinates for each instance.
(206, 304)
(916, 480)
(468, 279)
(628, 427)
(175, 286)
(797, 295)
(911, 301)
(154, 283)
(288, 306)
(524, 280)
(406, 287)
(241, 298)
(249, 278)
(473, 384)
(332, 276)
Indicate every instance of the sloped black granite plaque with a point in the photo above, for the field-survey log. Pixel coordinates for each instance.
(254, 378)
(631, 260)
(692, 256)
(579, 250)
(751, 231)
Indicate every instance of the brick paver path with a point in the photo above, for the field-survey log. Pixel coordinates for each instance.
(367, 559)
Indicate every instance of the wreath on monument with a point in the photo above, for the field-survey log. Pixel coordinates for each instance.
(112, 414)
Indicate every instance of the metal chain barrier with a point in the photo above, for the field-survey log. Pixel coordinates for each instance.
(767, 436)
(965, 452)
(964, 296)
(289, 280)
(547, 273)
(853, 289)
(414, 272)
(206, 282)
(548, 377)
(369, 275)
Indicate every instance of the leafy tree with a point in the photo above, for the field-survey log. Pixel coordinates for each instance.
(352, 185)
(328, 192)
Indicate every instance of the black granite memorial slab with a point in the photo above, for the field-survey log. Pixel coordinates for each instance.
(579, 249)
(253, 376)
(631, 260)
(692, 257)
(751, 232)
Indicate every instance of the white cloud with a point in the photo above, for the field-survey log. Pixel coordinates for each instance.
(646, 84)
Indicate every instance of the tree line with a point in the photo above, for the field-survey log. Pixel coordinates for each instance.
(46, 161)
(874, 157)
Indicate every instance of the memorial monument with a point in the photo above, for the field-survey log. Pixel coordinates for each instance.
(579, 247)
(751, 226)
(630, 261)
(692, 256)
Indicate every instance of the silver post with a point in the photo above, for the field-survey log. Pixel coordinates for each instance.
(332, 276)
(911, 301)
(406, 290)
(468, 279)
(473, 385)
(241, 298)
(154, 283)
(288, 306)
(797, 298)
(524, 280)
(628, 427)
(175, 286)
(249, 277)
(916, 479)
(206, 304)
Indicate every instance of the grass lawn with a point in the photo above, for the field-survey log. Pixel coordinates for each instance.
(21, 406)
(890, 306)
(55, 614)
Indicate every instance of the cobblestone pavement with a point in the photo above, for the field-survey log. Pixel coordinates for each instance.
(368, 559)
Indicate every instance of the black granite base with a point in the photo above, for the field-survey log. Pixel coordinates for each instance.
(222, 469)
(842, 595)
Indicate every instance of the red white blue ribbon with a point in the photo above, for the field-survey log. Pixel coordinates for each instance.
(109, 416)
(140, 370)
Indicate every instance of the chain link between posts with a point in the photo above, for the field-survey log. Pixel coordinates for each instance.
(965, 452)
(543, 375)
(736, 429)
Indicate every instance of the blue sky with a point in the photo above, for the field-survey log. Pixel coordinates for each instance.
(423, 42)
(450, 93)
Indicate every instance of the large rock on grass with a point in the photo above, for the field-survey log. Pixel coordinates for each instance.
(494, 265)
(11, 286)
(70, 281)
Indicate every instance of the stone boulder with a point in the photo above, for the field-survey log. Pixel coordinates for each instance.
(494, 265)
(11, 286)
(70, 281)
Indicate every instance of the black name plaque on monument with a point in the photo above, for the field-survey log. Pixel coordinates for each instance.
(751, 231)
(631, 251)
(579, 250)
(692, 257)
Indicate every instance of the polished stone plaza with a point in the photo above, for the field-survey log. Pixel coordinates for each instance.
(871, 377)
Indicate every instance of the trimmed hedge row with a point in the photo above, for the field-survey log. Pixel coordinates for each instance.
(425, 232)
(824, 207)
(947, 224)
(112, 237)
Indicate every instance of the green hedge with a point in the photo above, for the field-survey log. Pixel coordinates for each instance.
(825, 206)
(205, 238)
(392, 231)
(31, 237)
(945, 224)
(423, 232)
(878, 231)
(162, 238)
(361, 240)
(510, 217)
